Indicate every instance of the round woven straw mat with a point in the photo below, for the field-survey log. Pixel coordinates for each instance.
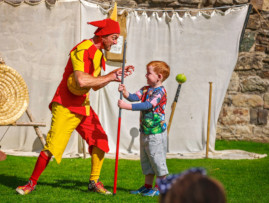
(14, 97)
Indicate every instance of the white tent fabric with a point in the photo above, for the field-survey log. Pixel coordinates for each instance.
(36, 41)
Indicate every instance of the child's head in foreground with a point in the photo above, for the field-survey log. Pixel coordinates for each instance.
(157, 71)
(192, 186)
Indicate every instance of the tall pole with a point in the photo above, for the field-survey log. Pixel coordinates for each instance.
(208, 120)
(119, 125)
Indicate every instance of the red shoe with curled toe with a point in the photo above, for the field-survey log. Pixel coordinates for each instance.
(98, 187)
(26, 189)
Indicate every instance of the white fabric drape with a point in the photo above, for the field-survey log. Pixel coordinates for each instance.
(36, 42)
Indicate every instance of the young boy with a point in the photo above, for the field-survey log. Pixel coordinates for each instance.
(153, 136)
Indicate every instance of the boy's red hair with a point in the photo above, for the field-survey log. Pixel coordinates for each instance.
(160, 67)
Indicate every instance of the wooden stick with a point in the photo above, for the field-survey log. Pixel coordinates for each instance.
(28, 124)
(260, 15)
(37, 130)
(172, 113)
(171, 116)
(208, 121)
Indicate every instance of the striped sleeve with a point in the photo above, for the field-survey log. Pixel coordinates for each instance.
(79, 55)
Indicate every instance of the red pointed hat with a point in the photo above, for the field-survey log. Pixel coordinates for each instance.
(107, 26)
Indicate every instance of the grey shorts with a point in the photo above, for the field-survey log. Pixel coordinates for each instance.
(153, 153)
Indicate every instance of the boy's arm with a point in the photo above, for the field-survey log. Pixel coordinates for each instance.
(134, 107)
(132, 97)
(152, 102)
(142, 106)
(124, 105)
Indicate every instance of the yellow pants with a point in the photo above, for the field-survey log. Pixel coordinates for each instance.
(63, 123)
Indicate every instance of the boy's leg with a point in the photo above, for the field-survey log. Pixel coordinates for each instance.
(63, 124)
(156, 151)
(146, 167)
(158, 178)
(149, 180)
(146, 187)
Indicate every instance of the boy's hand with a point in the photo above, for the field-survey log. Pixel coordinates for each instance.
(124, 105)
(122, 89)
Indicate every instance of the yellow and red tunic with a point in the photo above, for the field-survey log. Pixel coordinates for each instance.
(87, 58)
(84, 57)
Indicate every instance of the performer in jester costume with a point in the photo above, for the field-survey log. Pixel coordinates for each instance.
(70, 105)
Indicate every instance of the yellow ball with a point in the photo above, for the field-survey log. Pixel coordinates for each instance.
(181, 78)
(74, 88)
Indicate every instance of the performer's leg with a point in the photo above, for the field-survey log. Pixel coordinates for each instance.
(62, 125)
(91, 130)
(97, 162)
(41, 164)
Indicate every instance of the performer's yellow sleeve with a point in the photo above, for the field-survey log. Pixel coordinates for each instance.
(77, 59)
(77, 55)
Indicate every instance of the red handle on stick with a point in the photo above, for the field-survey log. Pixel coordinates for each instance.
(117, 158)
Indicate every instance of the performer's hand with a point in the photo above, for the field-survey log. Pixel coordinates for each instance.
(117, 73)
(128, 70)
(124, 105)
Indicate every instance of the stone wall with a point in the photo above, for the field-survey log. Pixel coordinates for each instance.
(244, 114)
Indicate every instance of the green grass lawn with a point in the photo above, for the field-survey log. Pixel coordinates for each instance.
(244, 180)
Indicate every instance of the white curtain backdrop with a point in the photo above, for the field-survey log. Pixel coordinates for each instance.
(36, 41)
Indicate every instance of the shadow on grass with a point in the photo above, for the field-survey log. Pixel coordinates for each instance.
(10, 181)
(13, 182)
(118, 189)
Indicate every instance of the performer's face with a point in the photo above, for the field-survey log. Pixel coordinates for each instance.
(109, 40)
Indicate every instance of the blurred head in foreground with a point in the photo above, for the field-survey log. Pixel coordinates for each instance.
(191, 186)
